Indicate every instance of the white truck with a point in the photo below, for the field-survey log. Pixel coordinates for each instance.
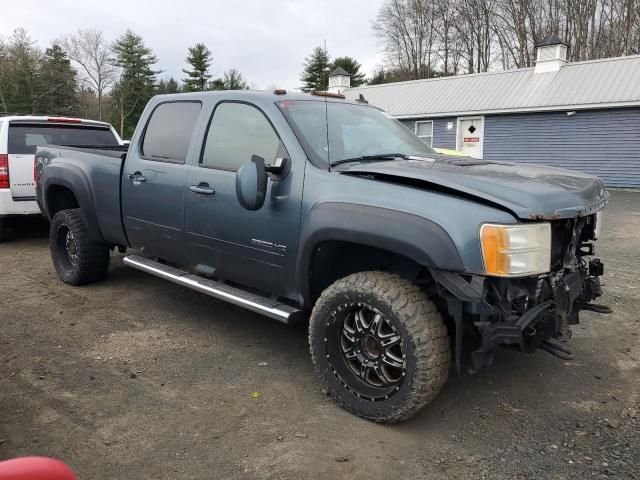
(19, 137)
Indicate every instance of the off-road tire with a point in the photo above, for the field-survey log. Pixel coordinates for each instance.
(424, 338)
(90, 258)
(3, 229)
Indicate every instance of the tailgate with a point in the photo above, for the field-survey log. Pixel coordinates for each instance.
(26, 135)
(21, 176)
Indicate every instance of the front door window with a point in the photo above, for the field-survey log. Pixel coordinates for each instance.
(237, 132)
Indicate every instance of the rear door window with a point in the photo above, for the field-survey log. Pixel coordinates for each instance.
(25, 137)
(169, 130)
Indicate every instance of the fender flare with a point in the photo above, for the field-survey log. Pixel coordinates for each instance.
(73, 178)
(412, 236)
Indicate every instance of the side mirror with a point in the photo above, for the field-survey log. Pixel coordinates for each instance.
(251, 183)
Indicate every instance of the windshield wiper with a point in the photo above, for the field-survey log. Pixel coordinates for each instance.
(370, 158)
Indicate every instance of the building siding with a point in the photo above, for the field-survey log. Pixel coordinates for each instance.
(410, 124)
(604, 142)
(442, 137)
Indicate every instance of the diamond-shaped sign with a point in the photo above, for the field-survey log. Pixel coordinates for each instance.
(472, 129)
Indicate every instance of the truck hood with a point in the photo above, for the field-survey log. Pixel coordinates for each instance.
(530, 192)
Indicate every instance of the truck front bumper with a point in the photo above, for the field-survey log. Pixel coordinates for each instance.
(525, 313)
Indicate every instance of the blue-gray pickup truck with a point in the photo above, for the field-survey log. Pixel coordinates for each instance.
(313, 208)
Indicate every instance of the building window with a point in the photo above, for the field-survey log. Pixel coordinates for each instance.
(424, 130)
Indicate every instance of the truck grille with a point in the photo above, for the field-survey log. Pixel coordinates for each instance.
(573, 281)
(567, 290)
(561, 233)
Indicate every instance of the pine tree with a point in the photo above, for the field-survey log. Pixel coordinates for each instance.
(385, 75)
(5, 77)
(24, 60)
(167, 86)
(379, 76)
(217, 84)
(351, 66)
(233, 80)
(172, 86)
(315, 76)
(57, 82)
(137, 80)
(200, 60)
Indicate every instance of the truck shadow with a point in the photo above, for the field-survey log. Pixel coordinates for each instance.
(27, 227)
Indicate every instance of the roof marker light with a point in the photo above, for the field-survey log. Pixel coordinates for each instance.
(63, 120)
(327, 94)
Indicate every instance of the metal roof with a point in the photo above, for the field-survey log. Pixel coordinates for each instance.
(551, 40)
(605, 83)
(339, 71)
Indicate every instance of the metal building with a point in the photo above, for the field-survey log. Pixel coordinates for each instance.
(579, 115)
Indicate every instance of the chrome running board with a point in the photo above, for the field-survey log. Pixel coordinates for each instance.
(251, 301)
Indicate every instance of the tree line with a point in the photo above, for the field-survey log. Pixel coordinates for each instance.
(433, 38)
(85, 75)
(429, 38)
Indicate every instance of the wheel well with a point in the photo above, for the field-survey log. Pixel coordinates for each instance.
(60, 198)
(333, 260)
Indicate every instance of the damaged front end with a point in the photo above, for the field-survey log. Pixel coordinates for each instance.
(530, 312)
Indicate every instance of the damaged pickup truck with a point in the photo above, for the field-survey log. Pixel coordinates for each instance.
(309, 206)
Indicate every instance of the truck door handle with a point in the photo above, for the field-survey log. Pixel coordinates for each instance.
(137, 177)
(202, 189)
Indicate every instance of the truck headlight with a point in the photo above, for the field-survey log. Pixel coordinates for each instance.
(516, 250)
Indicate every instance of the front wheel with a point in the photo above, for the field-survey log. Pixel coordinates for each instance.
(76, 257)
(379, 345)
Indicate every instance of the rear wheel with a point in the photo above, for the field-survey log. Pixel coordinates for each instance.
(380, 346)
(3, 229)
(76, 257)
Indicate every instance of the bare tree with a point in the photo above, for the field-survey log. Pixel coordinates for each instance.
(91, 52)
(88, 103)
(446, 36)
(474, 26)
(423, 38)
(407, 30)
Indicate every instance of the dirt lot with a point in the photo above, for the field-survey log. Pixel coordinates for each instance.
(134, 378)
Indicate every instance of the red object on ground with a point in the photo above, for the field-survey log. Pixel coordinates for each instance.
(35, 468)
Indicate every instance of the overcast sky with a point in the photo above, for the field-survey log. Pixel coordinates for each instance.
(266, 40)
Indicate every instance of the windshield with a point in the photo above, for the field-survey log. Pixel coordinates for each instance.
(331, 132)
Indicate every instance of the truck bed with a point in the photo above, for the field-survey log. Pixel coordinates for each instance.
(103, 165)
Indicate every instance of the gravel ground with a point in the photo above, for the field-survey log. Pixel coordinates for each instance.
(135, 378)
